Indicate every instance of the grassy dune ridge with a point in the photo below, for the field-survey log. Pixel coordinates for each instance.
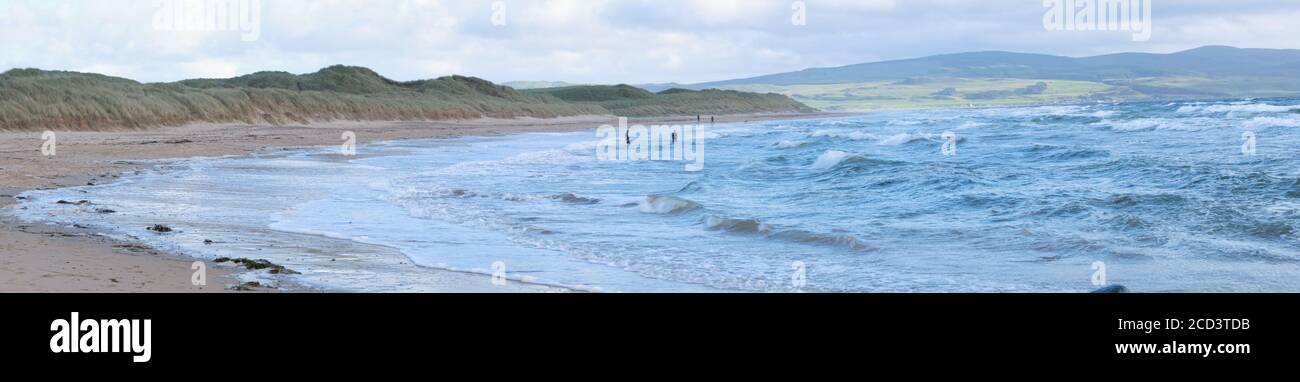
(625, 100)
(32, 99)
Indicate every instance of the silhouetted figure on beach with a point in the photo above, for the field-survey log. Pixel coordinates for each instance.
(710, 119)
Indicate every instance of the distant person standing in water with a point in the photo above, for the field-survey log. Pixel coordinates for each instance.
(710, 119)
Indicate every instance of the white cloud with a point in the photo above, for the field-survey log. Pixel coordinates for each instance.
(589, 41)
(442, 67)
(722, 12)
(110, 70)
(559, 14)
(209, 68)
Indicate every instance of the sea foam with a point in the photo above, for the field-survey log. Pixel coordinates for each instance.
(831, 159)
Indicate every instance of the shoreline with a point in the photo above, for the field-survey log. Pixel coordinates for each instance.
(47, 258)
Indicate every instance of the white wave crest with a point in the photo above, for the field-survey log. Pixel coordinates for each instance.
(1262, 122)
(904, 138)
(659, 204)
(1236, 108)
(1140, 124)
(789, 144)
(831, 159)
(850, 135)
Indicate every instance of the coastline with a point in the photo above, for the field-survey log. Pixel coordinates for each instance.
(47, 258)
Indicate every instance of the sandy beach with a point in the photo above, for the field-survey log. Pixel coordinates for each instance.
(46, 258)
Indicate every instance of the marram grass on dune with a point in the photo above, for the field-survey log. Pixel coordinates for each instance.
(630, 101)
(32, 99)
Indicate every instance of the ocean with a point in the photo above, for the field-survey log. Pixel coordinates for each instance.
(1157, 196)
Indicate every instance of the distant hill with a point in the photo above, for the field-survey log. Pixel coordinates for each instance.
(632, 101)
(663, 86)
(1207, 72)
(1205, 61)
(526, 85)
(35, 99)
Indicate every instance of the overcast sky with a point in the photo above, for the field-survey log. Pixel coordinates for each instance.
(588, 41)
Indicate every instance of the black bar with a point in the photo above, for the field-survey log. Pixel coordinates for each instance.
(354, 330)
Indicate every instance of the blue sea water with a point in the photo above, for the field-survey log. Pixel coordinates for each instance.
(1162, 194)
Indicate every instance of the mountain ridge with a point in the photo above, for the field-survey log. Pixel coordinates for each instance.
(1001, 78)
(1206, 60)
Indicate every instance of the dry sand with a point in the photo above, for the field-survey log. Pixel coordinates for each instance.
(44, 258)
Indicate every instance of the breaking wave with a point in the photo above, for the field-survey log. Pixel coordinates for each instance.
(832, 158)
(667, 205)
(1237, 108)
(767, 231)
